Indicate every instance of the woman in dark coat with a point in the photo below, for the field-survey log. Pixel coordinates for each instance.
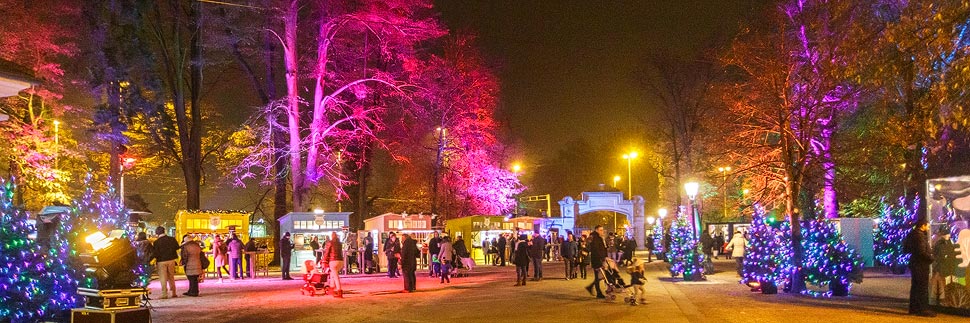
(521, 259)
(409, 262)
(582, 257)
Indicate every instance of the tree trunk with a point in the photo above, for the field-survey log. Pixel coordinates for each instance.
(193, 178)
(293, 105)
(319, 121)
(830, 197)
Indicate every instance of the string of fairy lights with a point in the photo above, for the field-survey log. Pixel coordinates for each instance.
(895, 222)
(769, 253)
(40, 282)
(686, 257)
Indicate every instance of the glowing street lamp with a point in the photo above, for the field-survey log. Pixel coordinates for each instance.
(629, 171)
(616, 178)
(516, 168)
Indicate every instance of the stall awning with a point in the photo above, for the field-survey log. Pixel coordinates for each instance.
(14, 78)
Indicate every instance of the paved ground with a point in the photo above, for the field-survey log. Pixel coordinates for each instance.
(488, 296)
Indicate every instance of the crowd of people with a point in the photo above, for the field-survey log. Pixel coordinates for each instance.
(166, 253)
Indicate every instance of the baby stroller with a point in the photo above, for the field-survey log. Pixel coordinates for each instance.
(463, 266)
(315, 279)
(614, 282)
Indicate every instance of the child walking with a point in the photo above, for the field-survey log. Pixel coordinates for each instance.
(637, 282)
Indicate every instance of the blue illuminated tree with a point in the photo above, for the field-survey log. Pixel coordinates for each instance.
(685, 255)
(828, 261)
(21, 261)
(768, 259)
(895, 222)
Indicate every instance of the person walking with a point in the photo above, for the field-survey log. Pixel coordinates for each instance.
(250, 264)
(220, 253)
(611, 245)
(165, 249)
(651, 246)
(637, 281)
(485, 250)
(582, 256)
(629, 247)
(520, 258)
(333, 256)
(409, 262)
(568, 252)
(707, 244)
(501, 249)
(145, 254)
(537, 249)
(917, 244)
(597, 253)
(369, 254)
(736, 247)
(235, 249)
(446, 256)
(460, 249)
(192, 263)
(392, 250)
(286, 251)
(315, 246)
(433, 251)
(719, 245)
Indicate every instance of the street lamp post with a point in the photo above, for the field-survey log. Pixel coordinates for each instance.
(724, 172)
(691, 188)
(616, 178)
(629, 171)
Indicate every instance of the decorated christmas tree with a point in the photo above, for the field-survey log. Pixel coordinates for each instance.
(768, 258)
(828, 261)
(895, 222)
(685, 254)
(658, 238)
(21, 261)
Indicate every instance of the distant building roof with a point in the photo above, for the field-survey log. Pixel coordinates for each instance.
(14, 78)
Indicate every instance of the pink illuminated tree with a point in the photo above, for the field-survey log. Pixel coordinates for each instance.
(356, 61)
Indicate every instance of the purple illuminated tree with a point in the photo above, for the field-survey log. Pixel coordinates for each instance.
(787, 106)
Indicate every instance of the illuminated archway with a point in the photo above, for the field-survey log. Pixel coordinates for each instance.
(606, 201)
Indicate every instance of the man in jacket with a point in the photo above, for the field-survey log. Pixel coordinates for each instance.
(537, 249)
(433, 250)
(409, 262)
(235, 247)
(392, 249)
(286, 251)
(165, 249)
(501, 250)
(597, 253)
(250, 247)
(917, 244)
(568, 252)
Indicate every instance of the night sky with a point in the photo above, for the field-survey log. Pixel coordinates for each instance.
(568, 67)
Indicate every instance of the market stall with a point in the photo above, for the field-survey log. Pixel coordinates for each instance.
(477, 228)
(948, 207)
(416, 225)
(303, 226)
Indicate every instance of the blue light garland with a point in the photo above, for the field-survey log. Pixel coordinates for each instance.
(685, 255)
(827, 258)
(768, 258)
(895, 222)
